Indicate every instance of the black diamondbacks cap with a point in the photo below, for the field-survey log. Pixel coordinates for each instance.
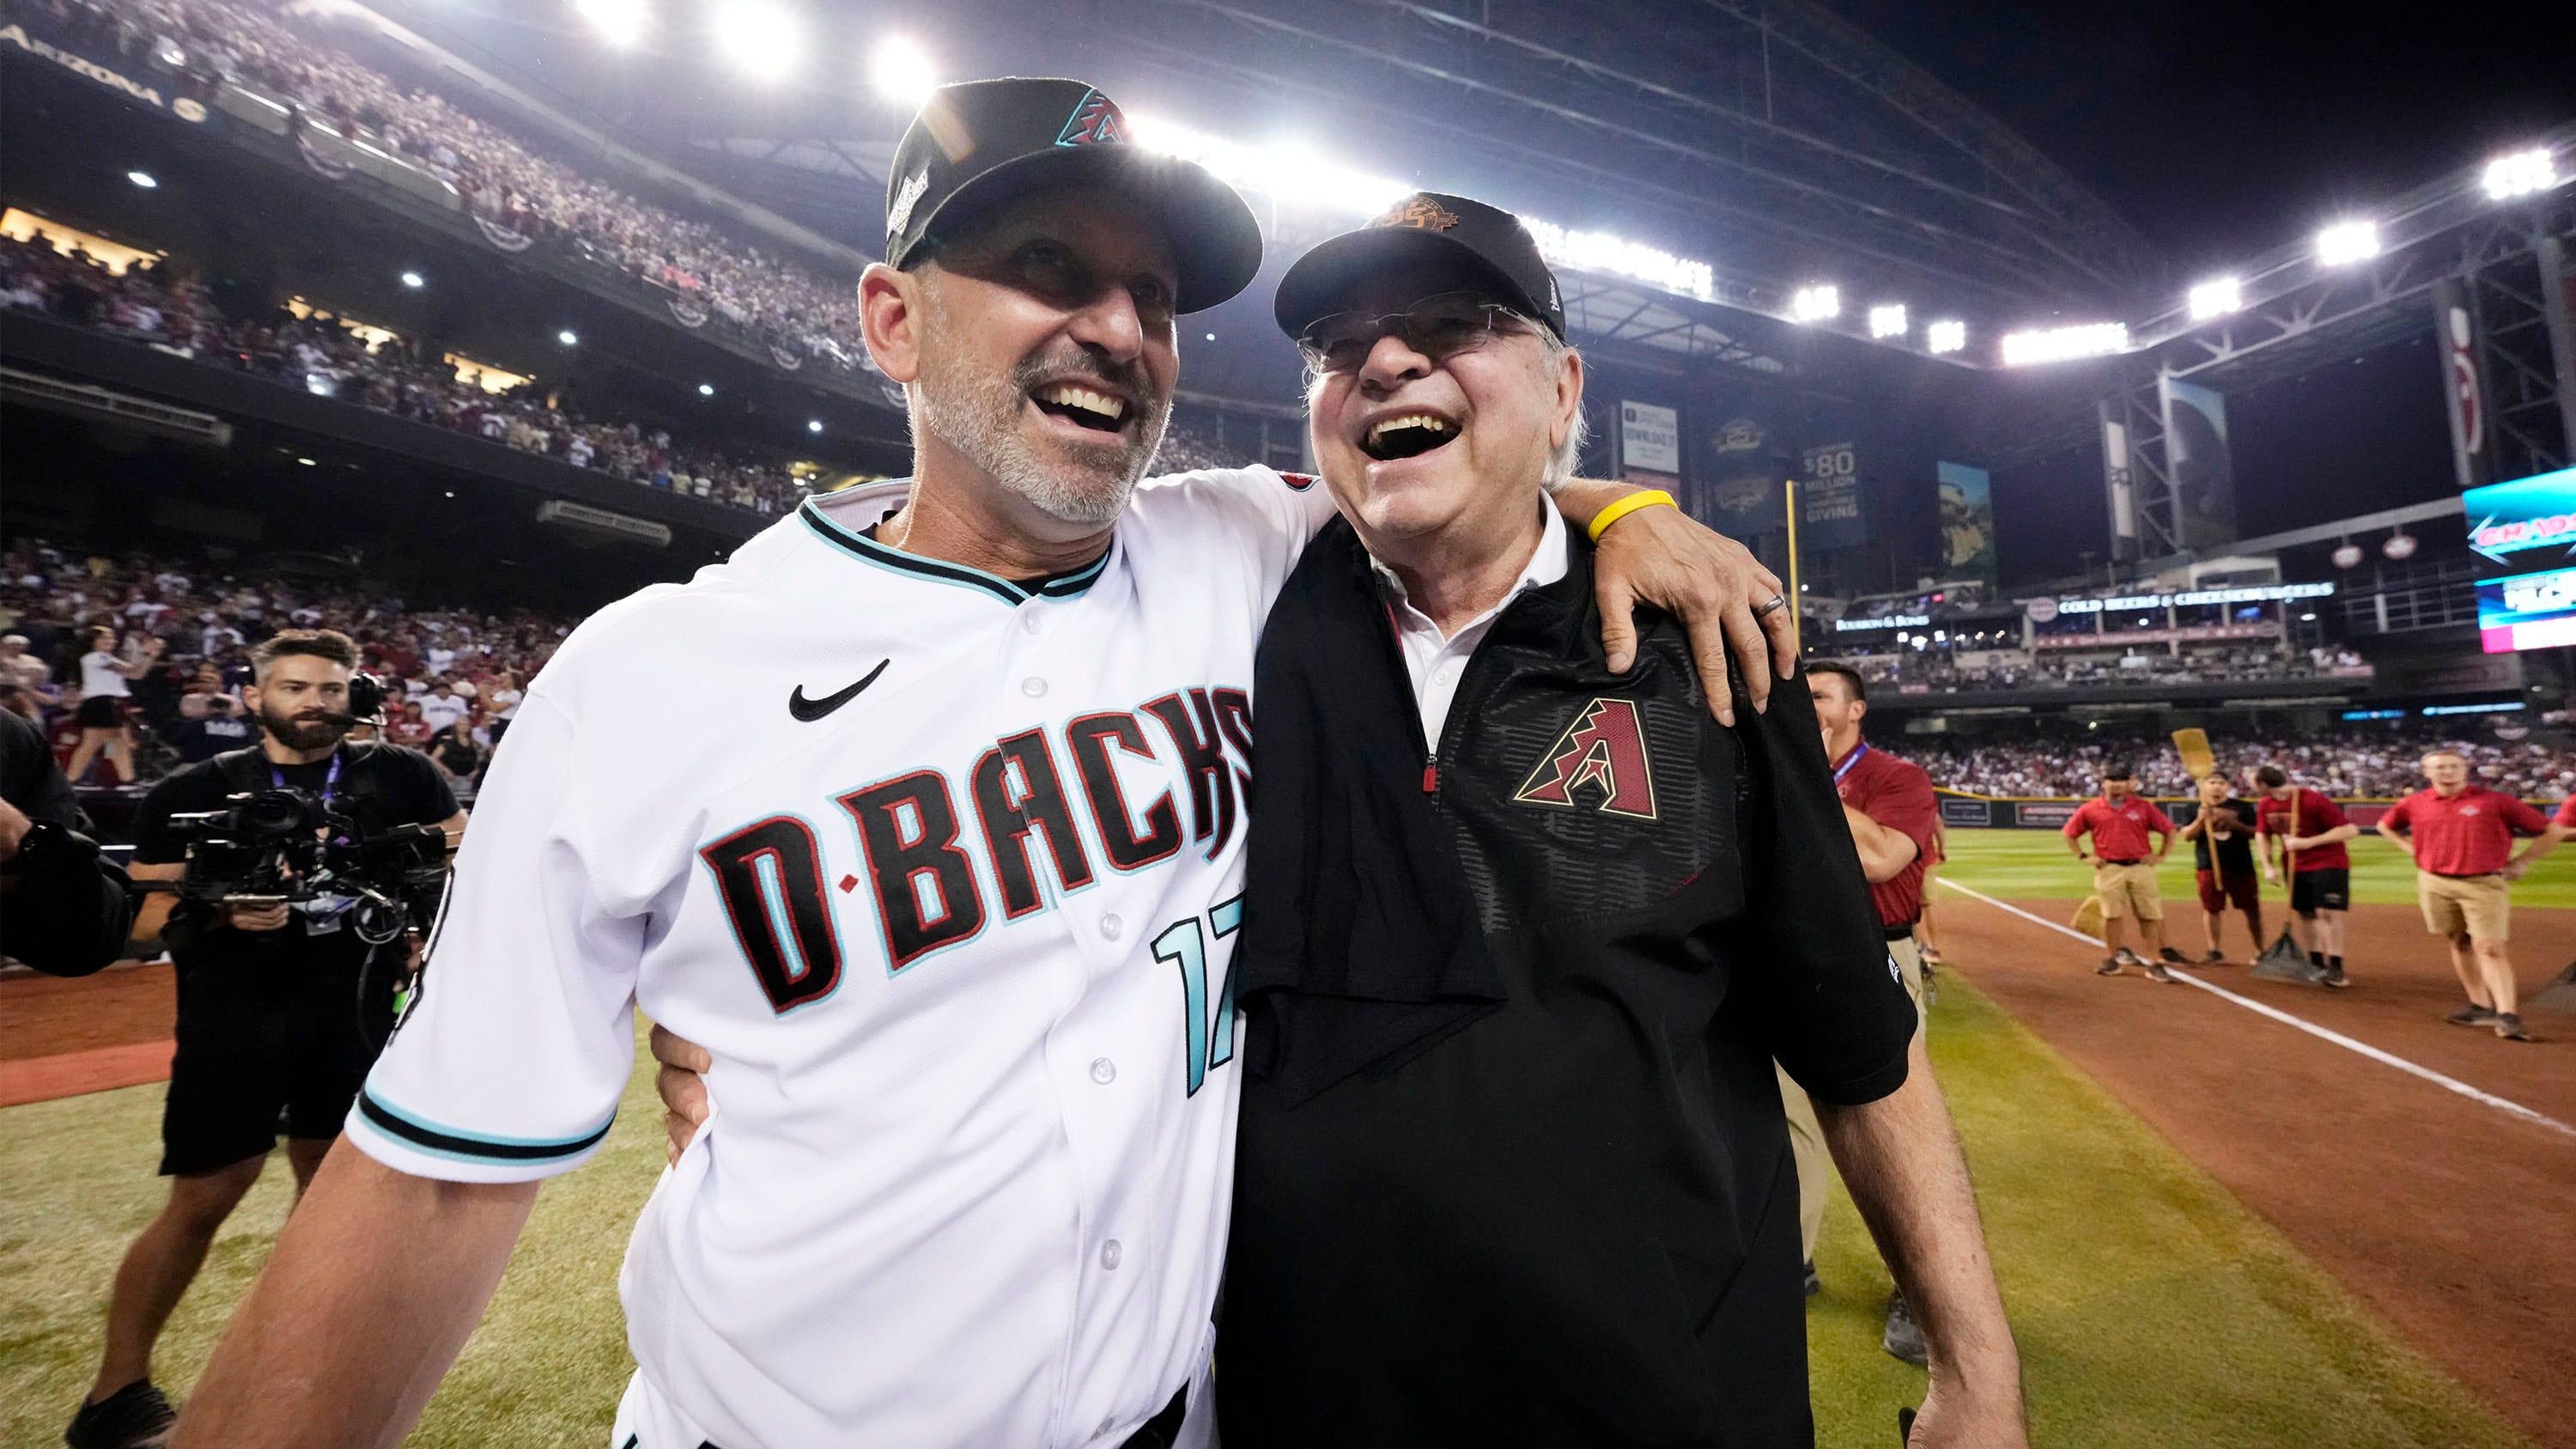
(1489, 246)
(976, 144)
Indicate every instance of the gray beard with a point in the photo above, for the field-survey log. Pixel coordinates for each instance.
(980, 418)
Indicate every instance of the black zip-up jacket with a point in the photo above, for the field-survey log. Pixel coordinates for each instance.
(1512, 1167)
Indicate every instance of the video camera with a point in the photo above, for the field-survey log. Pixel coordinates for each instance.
(267, 847)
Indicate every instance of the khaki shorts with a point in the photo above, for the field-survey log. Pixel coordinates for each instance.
(2128, 890)
(2478, 906)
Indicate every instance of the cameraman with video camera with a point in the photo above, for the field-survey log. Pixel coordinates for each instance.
(289, 875)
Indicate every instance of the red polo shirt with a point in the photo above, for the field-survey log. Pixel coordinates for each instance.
(1897, 795)
(2317, 815)
(2566, 814)
(2470, 833)
(2119, 831)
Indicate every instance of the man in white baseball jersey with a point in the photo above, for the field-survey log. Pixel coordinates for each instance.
(945, 886)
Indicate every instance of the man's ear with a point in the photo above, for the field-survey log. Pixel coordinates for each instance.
(890, 319)
(1569, 398)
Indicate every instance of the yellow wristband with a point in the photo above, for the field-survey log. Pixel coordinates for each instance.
(1643, 498)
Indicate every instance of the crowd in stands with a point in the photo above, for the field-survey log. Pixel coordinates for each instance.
(502, 177)
(1937, 668)
(325, 357)
(2376, 764)
(176, 641)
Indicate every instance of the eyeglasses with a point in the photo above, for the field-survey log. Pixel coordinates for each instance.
(1438, 327)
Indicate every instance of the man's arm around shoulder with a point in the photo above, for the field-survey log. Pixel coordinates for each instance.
(376, 1283)
(1901, 1161)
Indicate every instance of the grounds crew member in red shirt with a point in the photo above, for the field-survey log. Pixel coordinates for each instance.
(2222, 848)
(1894, 819)
(2461, 836)
(2124, 870)
(2313, 829)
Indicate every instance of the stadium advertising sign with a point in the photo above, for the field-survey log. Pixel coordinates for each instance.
(2193, 598)
(183, 107)
(1891, 621)
(1650, 437)
(1829, 499)
(2524, 536)
(2527, 611)
(2520, 523)
(2192, 634)
(1965, 499)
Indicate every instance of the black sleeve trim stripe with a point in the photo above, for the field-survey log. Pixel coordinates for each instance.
(394, 1124)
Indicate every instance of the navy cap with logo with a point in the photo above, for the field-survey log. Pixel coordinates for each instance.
(1492, 252)
(980, 143)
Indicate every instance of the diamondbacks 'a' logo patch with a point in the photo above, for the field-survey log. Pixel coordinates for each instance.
(1419, 212)
(1603, 752)
(1096, 121)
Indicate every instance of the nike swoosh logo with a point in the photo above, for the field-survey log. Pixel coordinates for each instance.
(810, 710)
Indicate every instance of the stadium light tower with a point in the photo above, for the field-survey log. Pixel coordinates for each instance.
(763, 39)
(2217, 298)
(902, 71)
(144, 179)
(567, 337)
(1946, 336)
(414, 280)
(2523, 173)
(1887, 320)
(1816, 304)
(2346, 242)
(619, 22)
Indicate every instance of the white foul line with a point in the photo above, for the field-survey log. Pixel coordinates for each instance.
(2449, 1084)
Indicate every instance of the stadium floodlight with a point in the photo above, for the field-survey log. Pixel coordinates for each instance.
(144, 179)
(414, 280)
(1290, 172)
(813, 425)
(1816, 304)
(619, 22)
(2523, 173)
(567, 337)
(763, 39)
(307, 462)
(1946, 336)
(706, 389)
(2346, 242)
(2217, 298)
(2058, 344)
(901, 71)
(1887, 320)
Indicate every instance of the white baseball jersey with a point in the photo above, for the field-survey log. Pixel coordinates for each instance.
(943, 873)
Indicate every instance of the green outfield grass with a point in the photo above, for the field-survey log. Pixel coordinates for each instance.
(2152, 1309)
(2036, 865)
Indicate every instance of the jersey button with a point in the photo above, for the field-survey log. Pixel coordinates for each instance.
(1103, 1070)
(1110, 1253)
(1033, 686)
(1110, 926)
(1029, 619)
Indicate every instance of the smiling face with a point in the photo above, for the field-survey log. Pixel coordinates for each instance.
(1413, 444)
(1040, 348)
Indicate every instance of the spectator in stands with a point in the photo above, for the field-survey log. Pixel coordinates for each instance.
(410, 727)
(2124, 869)
(455, 753)
(501, 699)
(107, 674)
(441, 707)
(211, 719)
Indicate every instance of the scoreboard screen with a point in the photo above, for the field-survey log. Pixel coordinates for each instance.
(2524, 536)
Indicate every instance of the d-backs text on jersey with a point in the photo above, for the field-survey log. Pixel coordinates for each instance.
(944, 857)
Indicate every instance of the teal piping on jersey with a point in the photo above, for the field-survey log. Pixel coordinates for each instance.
(868, 550)
(439, 1140)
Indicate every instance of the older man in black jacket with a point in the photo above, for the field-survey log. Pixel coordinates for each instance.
(1523, 935)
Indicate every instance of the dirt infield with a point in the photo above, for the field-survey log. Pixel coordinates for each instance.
(62, 1038)
(2447, 1215)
